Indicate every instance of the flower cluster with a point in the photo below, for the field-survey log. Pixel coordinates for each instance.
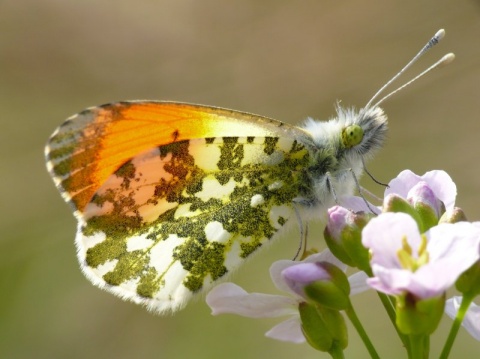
(411, 252)
(290, 277)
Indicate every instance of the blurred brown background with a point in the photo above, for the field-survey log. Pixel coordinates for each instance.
(282, 59)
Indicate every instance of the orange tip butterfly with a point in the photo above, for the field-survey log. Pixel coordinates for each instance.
(172, 197)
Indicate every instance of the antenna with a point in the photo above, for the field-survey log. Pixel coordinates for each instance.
(443, 61)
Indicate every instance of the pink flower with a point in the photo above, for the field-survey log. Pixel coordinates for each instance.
(230, 298)
(405, 261)
(440, 183)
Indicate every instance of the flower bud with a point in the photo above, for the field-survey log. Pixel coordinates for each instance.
(469, 281)
(426, 204)
(395, 203)
(314, 328)
(323, 328)
(453, 216)
(321, 282)
(343, 236)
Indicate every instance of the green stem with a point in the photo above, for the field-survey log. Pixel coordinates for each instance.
(336, 352)
(466, 301)
(389, 307)
(361, 332)
(417, 347)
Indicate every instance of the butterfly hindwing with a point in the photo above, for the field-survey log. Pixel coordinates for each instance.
(171, 221)
(171, 197)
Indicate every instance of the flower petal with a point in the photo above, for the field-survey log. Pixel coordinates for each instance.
(439, 181)
(402, 183)
(288, 331)
(471, 322)
(358, 283)
(230, 298)
(390, 281)
(358, 204)
(431, 280)
(302, 274)
(443, 186)
(459, 241)
(383, 235)
(327, 256)
(422, 196)
(277, 268)
(452, 249)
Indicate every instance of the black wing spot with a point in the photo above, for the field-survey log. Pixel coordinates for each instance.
(175, 135)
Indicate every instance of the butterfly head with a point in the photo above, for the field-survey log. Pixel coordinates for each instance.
(352, 133)
(363, 132)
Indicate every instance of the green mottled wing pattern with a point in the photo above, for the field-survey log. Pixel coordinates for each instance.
(174, 219)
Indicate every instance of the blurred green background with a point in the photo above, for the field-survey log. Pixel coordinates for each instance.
(282, 59)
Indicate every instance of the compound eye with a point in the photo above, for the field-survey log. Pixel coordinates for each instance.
(352, 135)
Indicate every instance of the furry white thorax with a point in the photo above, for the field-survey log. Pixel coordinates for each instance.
(373, 119)
(327, 135)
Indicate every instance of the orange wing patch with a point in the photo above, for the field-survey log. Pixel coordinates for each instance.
(90, 146)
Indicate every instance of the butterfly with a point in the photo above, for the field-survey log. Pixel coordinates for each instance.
(172, 197)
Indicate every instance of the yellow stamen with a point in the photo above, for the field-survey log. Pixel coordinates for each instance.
(406, 259)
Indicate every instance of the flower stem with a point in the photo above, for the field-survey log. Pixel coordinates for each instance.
(361, 332)
(336, 352)
(389, 307)
(418, 348)
(466, 301)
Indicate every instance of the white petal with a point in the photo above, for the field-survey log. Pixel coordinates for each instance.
(429, 281)
(275, 273)
(376, 284)
(452, 305)
(443, 187)
(461, 239)
(402, 183)
(390, 281)
(471, 322)
(357, 204)
(435, 278)
(452, 249)
(287, 331)
(326, 256)
(358, 283)
(439, 181)
(230, 298)
(384, 235)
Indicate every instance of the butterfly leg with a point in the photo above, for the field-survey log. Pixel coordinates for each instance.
(328, 181)
(371, 176)
(303, 227)
(360, 191)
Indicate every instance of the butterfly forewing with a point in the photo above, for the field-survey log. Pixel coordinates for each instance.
(85, 150)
